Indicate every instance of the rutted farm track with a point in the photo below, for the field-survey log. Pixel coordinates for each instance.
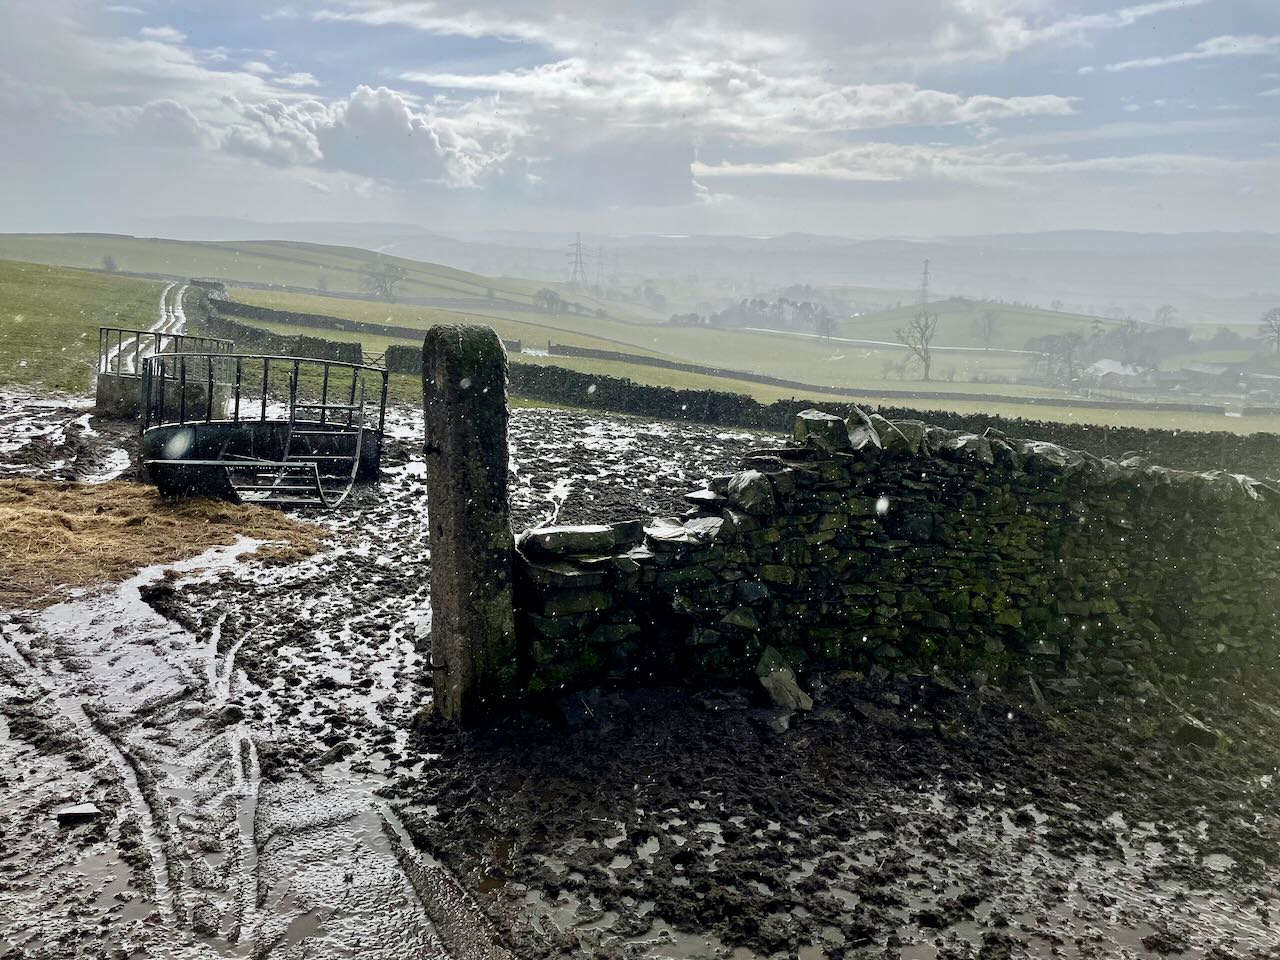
(235, 725)
(270, 787)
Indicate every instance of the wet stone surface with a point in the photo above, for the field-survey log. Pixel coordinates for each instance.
(255, 739)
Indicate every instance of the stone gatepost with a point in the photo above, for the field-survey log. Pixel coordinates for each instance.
(473, 635)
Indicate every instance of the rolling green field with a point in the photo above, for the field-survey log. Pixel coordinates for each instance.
(534, 329)
(407, 390)
(49, 319)
(774, 353)
(270, 262)
(959, 319)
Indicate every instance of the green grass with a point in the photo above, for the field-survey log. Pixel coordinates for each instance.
(534, 329)
(49, 319)
(958, 320)
(802, 359)
(285, 263)
(659, 376)
(767, 394)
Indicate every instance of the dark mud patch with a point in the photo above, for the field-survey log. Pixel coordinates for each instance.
(913, 816)
(58, 438)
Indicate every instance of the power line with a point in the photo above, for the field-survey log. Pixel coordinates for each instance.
(578, 274)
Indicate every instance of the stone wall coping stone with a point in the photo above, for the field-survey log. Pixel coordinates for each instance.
(567, 540)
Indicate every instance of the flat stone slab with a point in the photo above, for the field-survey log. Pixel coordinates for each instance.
(78, 813)
(568, 541)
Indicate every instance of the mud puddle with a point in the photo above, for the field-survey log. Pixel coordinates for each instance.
(228, 861)
(60, 439)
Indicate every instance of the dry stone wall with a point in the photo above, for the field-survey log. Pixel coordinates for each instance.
(209, 311)
(869, 542)
(1257, 454)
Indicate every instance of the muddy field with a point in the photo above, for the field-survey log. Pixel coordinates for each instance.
(268, 783)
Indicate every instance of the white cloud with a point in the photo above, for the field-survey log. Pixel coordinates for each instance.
(923, 31)
(624, 106)
(373, 133)
(1224, 46)
(275, 132)
(732, 98)
(163, 34)
(298, 80)
(124, 10)
(897, 162)
(168, 123)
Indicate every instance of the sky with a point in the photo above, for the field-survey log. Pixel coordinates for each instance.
(858, 118)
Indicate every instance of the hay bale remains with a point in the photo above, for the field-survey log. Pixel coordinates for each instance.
(56, 535)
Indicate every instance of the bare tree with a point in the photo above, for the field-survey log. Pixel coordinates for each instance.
(985, 327)
(1058, 355)
(548, 301)
(381, 280)
(1164, 314)
(1271, 329)
(917, 335)
(823, 321)
(109, 264)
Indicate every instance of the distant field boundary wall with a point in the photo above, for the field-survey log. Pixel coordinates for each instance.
(408, 361)
(206, 310)
(444, 303)
(248, 311)
(562, 350)
(1255, 454)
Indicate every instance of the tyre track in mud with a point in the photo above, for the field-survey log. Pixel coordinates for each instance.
(126, 357)
(260, 712)
(98, 732)
(188, 758)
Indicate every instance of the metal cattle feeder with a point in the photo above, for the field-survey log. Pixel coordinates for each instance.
(284, 431)
(121, 352)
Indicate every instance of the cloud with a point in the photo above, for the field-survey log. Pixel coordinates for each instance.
(633, 169)
(1273, 92)
(298, 80)
(374, 133)
(123, 10)
(168, 123)
(275, 132)
(731, 98)
(924, 32)
(257, 67)
(163, 34)
(887, 162)
(1224, 46)
(422, 16)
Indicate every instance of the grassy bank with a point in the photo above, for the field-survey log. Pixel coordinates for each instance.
(49, 319)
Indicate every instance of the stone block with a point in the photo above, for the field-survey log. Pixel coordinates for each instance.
(824, 430)
(567, 540)
(751, 491)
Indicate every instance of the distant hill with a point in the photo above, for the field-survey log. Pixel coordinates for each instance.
(280, 263)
